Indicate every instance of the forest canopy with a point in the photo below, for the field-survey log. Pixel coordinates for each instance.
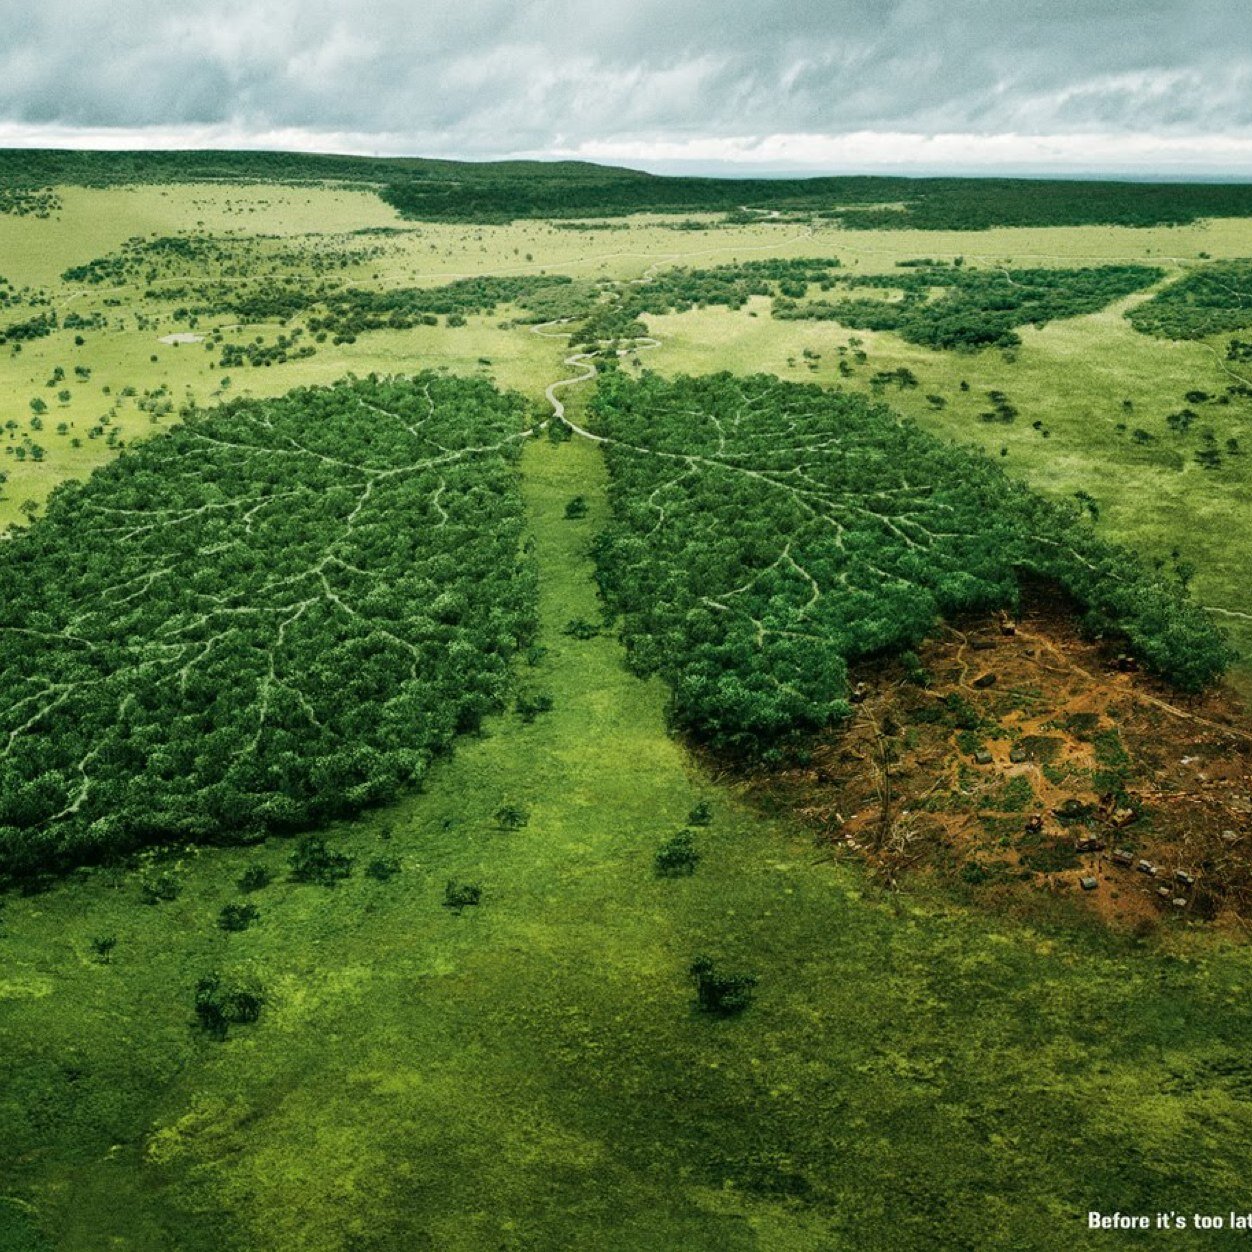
(939, 306)
(502, 191)
(1209, 300)
(972, 308)
(277, 613)
(764, 534)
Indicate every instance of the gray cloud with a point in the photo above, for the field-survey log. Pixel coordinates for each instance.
(488, 78)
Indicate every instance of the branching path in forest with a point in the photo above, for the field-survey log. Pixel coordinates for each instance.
(770, 532)
(267, 596)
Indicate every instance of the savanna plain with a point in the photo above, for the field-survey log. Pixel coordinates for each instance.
(660, 730)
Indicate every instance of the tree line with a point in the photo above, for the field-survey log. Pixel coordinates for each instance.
(502, 191)
(939, 306)
(978, 308)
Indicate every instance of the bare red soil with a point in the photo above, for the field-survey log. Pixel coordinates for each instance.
(1027, 759)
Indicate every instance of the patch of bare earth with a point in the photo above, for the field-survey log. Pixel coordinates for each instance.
(1025, 759)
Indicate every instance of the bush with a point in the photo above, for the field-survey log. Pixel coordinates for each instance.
(254, 878)
(581, 628)
(512, 816)
(460, 895)
(158, 886)
(720, 993)
(313, 862)
(700, 815)
(577, 507)
(677, 856)
(235, 917)
(382, 868)
(529, 707)
(218, 1006)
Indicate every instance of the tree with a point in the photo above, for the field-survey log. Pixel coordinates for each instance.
(677, 856)
(235, 917)
(512, 816)
(458, 896)
(254, 878)
(220, 1005)
(312, 861)
(719, 993)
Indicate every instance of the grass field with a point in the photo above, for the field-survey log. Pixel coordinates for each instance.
(531, 1073)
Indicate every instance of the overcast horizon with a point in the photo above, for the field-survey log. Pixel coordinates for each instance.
(1070, 88)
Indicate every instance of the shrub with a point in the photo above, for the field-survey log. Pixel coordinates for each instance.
(720, 993)
(382, 868)
(461, 895)
(235, 917)
(677, 856)
(313, 862)
(700, 815)
(512, 816)
(529, 707)
(581, 628)
(254, 878)
(158, 886)
(219, 1006)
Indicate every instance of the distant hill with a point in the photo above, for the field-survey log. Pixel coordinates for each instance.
(500, 191)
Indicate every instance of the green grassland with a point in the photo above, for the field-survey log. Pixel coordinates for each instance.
(530, 1072)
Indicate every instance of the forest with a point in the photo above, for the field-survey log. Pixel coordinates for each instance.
(764, 534)
(939, 306)
(677, 289)
(978, 307)
(354, 310)
(200, 274)
(502, 191)
(151, 259)
(1209, 300)
(277, 613)
(928, 203)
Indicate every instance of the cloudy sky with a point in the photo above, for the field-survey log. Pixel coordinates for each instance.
(1131, 86)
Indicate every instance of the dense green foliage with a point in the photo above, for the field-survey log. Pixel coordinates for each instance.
(976, 308)
(679, 289)
(38, 327)
(501, 191)
(276, 613)
(258, 353)
(251, 279)
(764, 534)
(355, 310)
(220, 1006)
(928, 203)
(718, 992)
(159, 257)
(29, 201)
(677, 857)
(939, 306)
(1209, 300)
(981, 203)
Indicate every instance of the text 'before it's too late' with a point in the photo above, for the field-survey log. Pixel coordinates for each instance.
(1170, 1221)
